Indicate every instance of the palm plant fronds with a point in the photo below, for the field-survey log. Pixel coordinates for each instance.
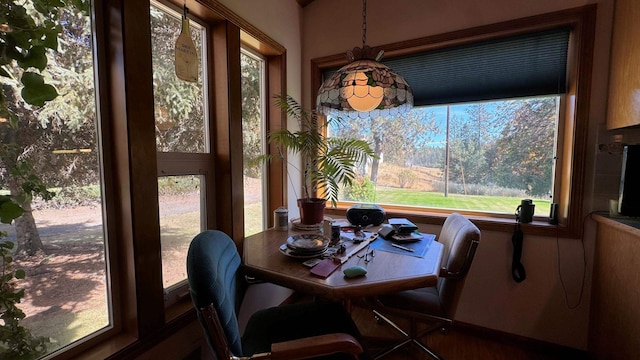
(327, 162)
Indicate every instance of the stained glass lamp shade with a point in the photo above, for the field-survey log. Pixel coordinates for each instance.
(364, 88)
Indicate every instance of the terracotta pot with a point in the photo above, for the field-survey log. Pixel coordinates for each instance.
(311, 210)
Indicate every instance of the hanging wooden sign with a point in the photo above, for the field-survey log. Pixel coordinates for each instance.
(186, 57)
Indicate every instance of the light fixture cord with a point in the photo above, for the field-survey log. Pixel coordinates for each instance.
(364, 22)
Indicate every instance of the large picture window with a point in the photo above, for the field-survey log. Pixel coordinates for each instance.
(484, 156)
(499, 116)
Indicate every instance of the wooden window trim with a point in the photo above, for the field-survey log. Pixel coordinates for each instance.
(192, 163)
(572, 155)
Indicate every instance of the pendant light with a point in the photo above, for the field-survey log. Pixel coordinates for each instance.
(364, 87)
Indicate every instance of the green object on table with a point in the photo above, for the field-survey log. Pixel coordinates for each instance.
(354, 271)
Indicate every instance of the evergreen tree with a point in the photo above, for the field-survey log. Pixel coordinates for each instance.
(252, 131)
(525, 149)
(35, 39)
(179, 113)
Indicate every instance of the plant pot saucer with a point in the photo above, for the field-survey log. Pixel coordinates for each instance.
(296, 224)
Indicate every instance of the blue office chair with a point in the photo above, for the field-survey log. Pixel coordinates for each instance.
(317, 329)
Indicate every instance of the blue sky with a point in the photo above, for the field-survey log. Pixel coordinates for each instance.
(456, 111)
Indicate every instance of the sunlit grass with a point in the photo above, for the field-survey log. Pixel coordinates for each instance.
(252, 218)
(177, 231)
(498, 204)
(84, 310)
(67, 327)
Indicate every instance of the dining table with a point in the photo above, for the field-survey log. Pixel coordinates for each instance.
(388, 268)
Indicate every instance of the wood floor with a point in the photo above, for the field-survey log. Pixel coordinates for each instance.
(456, 344)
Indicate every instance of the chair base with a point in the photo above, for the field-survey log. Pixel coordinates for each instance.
(408, 340)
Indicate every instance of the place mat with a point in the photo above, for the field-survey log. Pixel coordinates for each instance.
(420, 248)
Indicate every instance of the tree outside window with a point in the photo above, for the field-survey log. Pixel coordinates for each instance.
(483, 156)
(252, 68)
(49, 163)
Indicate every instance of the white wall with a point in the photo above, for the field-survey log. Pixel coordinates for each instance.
(552, 304)
(282, 21)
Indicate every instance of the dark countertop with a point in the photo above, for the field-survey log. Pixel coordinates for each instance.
(633, 222)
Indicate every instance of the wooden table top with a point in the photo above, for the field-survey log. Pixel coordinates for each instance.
(386, 273)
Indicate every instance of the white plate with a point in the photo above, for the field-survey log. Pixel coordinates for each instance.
(286, 251)
(306, 243)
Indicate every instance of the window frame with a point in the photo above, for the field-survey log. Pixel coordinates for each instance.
(251, 53)
(195, 163)
(131, 165)
(572, 130)
(274, 56)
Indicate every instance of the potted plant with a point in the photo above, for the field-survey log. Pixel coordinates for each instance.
(327, 162)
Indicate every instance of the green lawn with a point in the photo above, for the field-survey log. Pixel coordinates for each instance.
(497, 204)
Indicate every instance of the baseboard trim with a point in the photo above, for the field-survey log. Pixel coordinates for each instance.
(542, 347)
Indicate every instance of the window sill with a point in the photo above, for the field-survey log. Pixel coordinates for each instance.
(489, 222)
(179, 309)
(178, 316)
(103, 350)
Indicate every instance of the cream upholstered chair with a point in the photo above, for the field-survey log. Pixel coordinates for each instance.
(435, 306)
(315, 329)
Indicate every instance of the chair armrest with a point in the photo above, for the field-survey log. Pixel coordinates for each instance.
(317, 346)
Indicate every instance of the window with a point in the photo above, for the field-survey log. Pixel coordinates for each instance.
(253, 140)
(182, 141)
(180, 109)
(262, 67)
(483, 156)
(497, 119)
(180, 200)
(136, 173)
(62, 241)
